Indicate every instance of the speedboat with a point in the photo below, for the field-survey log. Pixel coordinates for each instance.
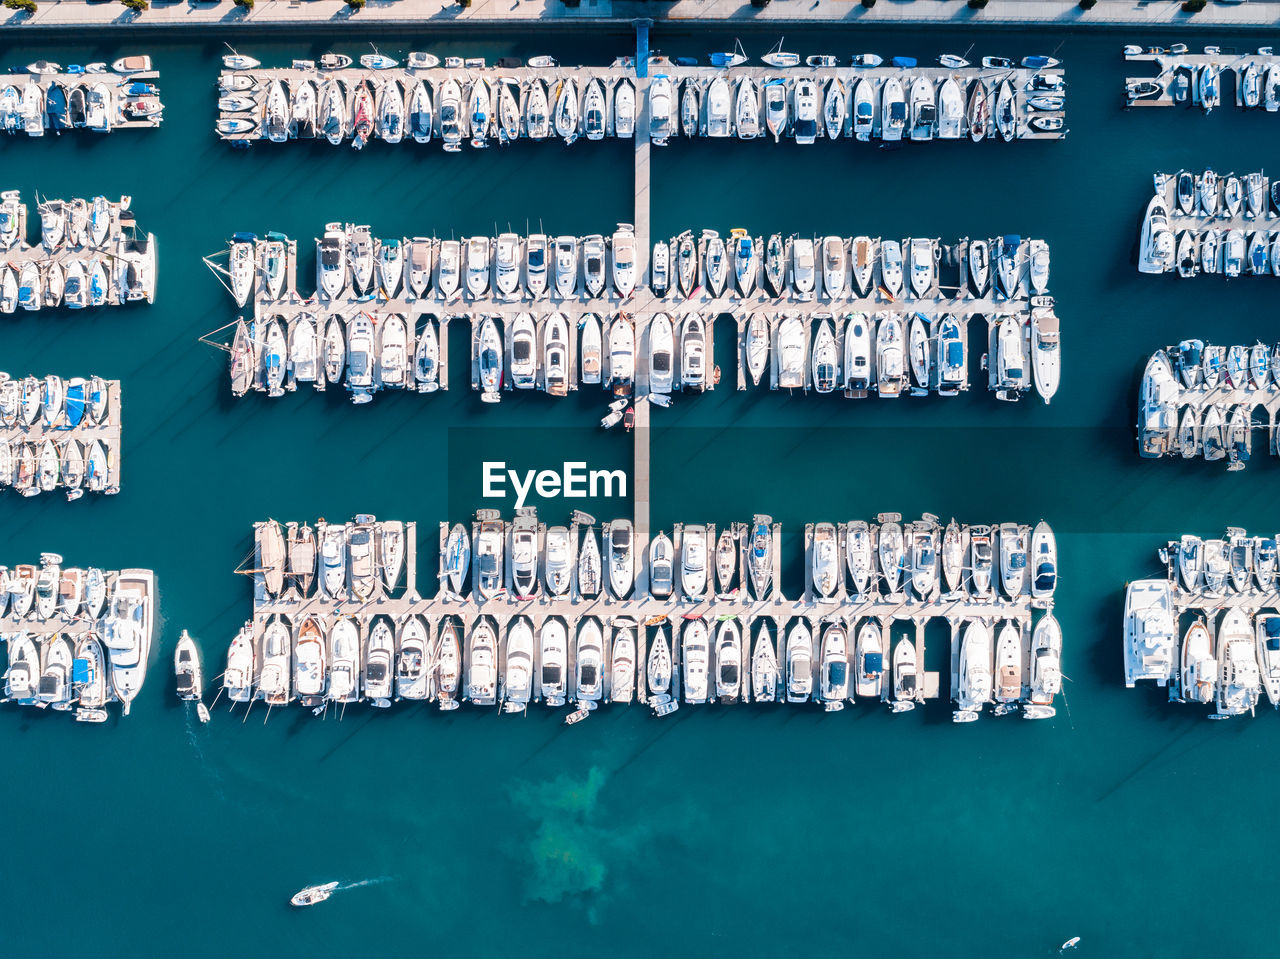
(482, 664)
(622, 662)
(661, 350)
(923, 108)
(791, 341)
(693, 561)
(718, 108)
(658, 668)
(661, 566)
(834, 266)
(863, 109)
(868, 673)
(622, 348)
(524, 354)
(553, 662)
(891, 374)
(593, 264)
(1044, 560)
(893, 110)
(825, 568)
(1045, 353)
(799, 662)
(517, 677)
(891, 268)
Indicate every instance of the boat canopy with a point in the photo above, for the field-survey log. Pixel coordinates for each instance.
(244, 237)
(873, 663)
(1035, 62)
(1012, 239)
(81, 674)
(903, 61)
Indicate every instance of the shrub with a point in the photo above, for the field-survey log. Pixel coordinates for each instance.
(247, 4)
(977, 4)
(137, 6)
(28, 6)
(1087, 4)
(868, 3)
(760, 3)
(356, 4)
(1192, 6)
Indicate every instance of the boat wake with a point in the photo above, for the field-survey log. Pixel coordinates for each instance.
(363, 882)
(209, 769)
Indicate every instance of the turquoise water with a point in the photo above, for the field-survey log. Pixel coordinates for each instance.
(1136, 825)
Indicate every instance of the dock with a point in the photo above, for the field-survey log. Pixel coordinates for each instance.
(79, 640)
(86, 452)
(91, 253)
(947, 300)
(763, 614)
(686, 88)
(46, 99)
(1180, 77)
(1227, 586)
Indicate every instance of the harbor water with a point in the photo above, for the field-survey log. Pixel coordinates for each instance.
(722, 831)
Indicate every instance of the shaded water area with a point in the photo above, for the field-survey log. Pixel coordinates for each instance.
(740, 831)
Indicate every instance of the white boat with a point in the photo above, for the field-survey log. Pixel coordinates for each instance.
(976, 684)
(482, 664)
(489, 352)
(126, 632)
(1239, 680)
(624, 260)
(566, 111)
(893, 110)
(1198, 672)
(1156, 249)
(622, 662)
(834, 109)
(951, 112)
(906, 683)
(868, 673)
(833, 669)
(924, 109)
(589, 663)
(622, 347)
(624, 110)
(747, 110)
(693, 352)
(890, 363)
(658, 667)
(775, 107)
(1149, 632)
(765, 674)
(448, 659)
(1044, 560)
(799, 662)
(590, 349)
(661, 353)
(718, 108)
(517, 675)
(693, 561)
(621, 557)
(661, 109)
(553, 662)
(1045, 353)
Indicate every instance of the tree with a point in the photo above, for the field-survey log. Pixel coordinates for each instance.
(26, 6)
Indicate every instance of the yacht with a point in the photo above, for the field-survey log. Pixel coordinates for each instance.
(906, 685)
(1156, 249)
(517, 676)
(974, 673)
(489, 563)
(834, 267)
(1013, 559)
(593, 264)
(524, 354)
(490, 361)
(951, 114)
(868, 673)
(622, 662)
(658, 667)
(589, 663)
(834, 668)
(565, 118)
(718, 108)
(694, 655)
(1239, 681)
(622, 349)
(693, 561)
(524, 557)
(558, 560)
(726, 561)
(1158, 405)
(553, 660)
(237, 678)
(834, 108)
(660, 269)
(863, 109)
(775, 107)
(1267, 632)
(824, 356)
(624, 260)
(624, 110)
(1198, 674)
(804, 124)
(799, 662)
(661, 350)
(126, 632)
(478, 266)
(924, 109)
(891, 374)
(747, 110)
(1008, 669)
(760, 556)
(661, 566)
(825, 560)
(449, 268)
(764, 668)
(891, 268)
(590, 349)
(1149, 631)
(661, 98)
(54, 687)
(621, 557)
(276, 669)
(893, 110)
(802, 267)
(892, 554)
(589, 571)
(923, 557)
(791, 350)
(482, 664)
(593, 110)
(448, 667)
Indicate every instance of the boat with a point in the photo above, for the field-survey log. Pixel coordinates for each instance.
(1005, 111)
(893, 110)
(760, 557)
(802, 267)
(975, 673)
(590, 349)
(799, 662)
(565, 116)
(905, 679)
(891, 551)
(1044, 560)
(589, 663)
(621, 557)
(746, 114)
(890, 362)
(775, 107)
(622, 360)
(833, 669)
(1239, 679)
(623, 264)
(834, 109)
(863, 109)
(1045, 354)
(891, 268)
(1149, 632)
(867, 60)
(718, 108)
(661, 109)
(658, 668)
(693, 561)
(717, 265)
(593, 264)
(622, 662)
(923, 109)
(624, 110)
(825, 560)
(661, 351)
(756, 346)
(313, 894)
(1013, 558)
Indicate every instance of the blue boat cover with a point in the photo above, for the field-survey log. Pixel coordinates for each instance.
(903, 61)
(80, 671)
(1011, 239)
(139, 89)
(873, 663)
(721, 59)
(1036, 62)
(897, 111)
(244, 237)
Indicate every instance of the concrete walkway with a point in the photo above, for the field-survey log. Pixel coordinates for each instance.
(268, 14)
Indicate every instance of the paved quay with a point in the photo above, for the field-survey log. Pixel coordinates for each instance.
(56, 15)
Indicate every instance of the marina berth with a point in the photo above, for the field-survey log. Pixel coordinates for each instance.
(46, 99)
(1208, 630)
(477, 103)
(1203, 400)
(855, 315)
(77, 640)
(1206, 223)
(90, 254)
(1197, 79)
(59, 434)
(527, 613)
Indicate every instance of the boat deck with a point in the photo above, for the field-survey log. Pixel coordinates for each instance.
(117, 85)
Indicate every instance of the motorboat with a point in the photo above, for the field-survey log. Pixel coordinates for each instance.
(589, 565)
(978, 112)
(1005, 112)
(660, 269)
(449, 106)
(276, 670)
(1013, 558)
(1149, 632)
(661, 351)
(760, 557)
(863, 109)
(799, 662)
(553, 662)
(746, 114)
(693, 561)
(238, 677)
(857, 353)
(834, 266)
(718, 108)
(1045, 353)
(590, 349)
(593, 256)
(661, 101)
(922, 557)
(824, 356)
(775, 107)
(891, 374)
(1158, 405)
(624, 110)
(524, 557)
(906, 684)
(975, 674)
(802, 267)
(891, 552)
(482, 664)
(695, 660)
(555, 355)
(622, 662)
(524, 354)
(622, 348)
(833, 670)
(949, 356)
(923, 109)
(1239, 679)
(624, 260)
(566, 266)
(658, 667)
(791, 352)
(950, 110)
(891, 268)
(490, 360)
(488, 559)
(893, 110)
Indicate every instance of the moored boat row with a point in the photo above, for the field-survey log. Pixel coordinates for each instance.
(1209, 630)
(1203, 223)
(90, 253)
(1196, 79)
(53, 99)
(75, 639)
(56, 432)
